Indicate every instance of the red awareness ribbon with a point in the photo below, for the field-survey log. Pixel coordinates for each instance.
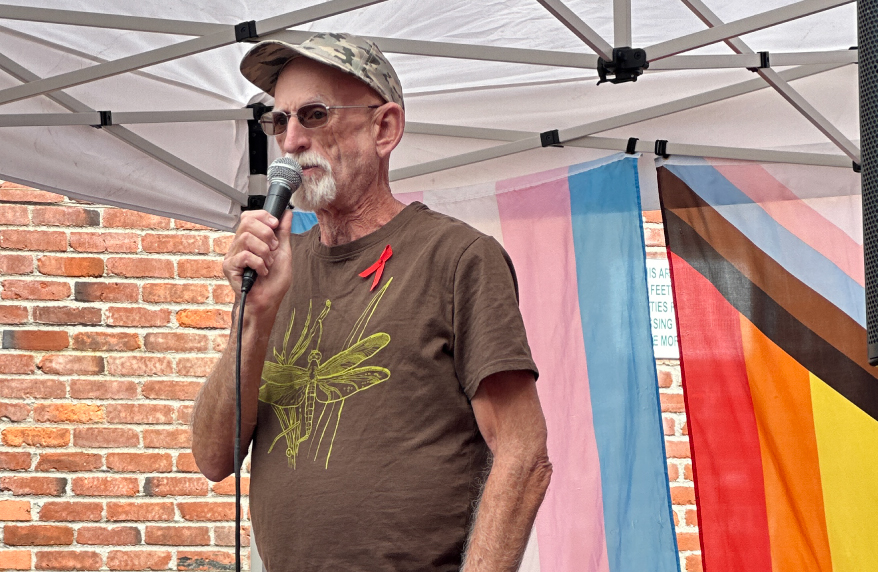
(378, 267)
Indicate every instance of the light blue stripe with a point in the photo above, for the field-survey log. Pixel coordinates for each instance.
(797, 257)
(302, 221)
(611, 274)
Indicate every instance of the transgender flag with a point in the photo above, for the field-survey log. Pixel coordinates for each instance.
(575, 236)
(781, 402)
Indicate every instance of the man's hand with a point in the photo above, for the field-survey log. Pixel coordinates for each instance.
(263, 244)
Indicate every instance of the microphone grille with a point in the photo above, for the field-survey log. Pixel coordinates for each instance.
(286, 170)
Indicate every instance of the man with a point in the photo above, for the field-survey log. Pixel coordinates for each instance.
(385, 368)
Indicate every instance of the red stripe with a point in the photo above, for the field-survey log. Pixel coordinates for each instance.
(722, 427)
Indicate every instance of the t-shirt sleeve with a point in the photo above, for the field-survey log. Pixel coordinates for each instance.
(489, 335)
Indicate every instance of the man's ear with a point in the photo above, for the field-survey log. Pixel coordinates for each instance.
(388, 128)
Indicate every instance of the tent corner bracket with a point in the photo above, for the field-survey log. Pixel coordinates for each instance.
(858, 168)
(106, 119)
(550, 138)
(764, 62)
(627, 65)
(245, 31)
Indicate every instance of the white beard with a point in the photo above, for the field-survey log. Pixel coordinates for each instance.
(316, 192)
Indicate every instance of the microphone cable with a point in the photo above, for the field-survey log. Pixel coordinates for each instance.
(244, 290)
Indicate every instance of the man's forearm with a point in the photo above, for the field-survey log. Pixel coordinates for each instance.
(213, 417)
(513, 492)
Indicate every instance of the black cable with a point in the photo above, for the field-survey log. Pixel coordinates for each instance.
(238, 430)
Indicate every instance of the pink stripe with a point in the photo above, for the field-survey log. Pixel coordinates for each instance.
(409, 198)
(796, 216)
(537, 234)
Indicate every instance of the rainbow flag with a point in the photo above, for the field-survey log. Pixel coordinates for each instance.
(782, 405)
(575, 236)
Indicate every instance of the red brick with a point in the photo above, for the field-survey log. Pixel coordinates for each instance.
(67, 364)
(15, 363)
(171, 389)
(175, 486)
(68, 560)
(128, 413)
(673, 472)
(685, 429)
(184, 414)
(103, 437)
(40, 340)
(67, 315)
(186, 463)
(14, 215)
(225, 535)
(119, 218)
(14, 510)
(43, 240)
(16, 264)
(677, 449)
(35, 290)
(654, 217)
(106, 291)
(200, 268)
(692, 517)
(176, 293)
(69, 462)
(137, 317)
(72, 511)
(15, 461)
(669, 424)
(177, 535)
(139, 365)
(27, 388)
(654, 236)
(103, 389)
(65, 216)
(223, 294)
(186, 225)
(693, 563)
(108, 535)
(68, 413)
(105, 341)
(665, 378)
(672, 402)
(15, 559)
(70, 266)
(204, 560)
(15, 193)
(43, 486)
(220, 342)
(221, 243)
(175, 243)
(37, 535)
(227, 486)
(105, 486)
(676, 519)
(140, 462)
(174, 342)
(140, 267)
(687, 472)
(195, 366)
(687, 541)
(138, 559)
(13, 315)
(206, 318)
(682, 495)
(103, 242)
(14, 411)
(140, 511)
(36, 436)
(207, 511)
(167, 438)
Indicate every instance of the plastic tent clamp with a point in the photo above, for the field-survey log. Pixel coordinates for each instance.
(494, 89)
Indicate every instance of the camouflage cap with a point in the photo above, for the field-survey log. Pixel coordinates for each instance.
(351, 54)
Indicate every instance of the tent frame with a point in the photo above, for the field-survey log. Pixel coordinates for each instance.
(662, 56)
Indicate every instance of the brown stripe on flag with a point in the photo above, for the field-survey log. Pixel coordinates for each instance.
(804, 324)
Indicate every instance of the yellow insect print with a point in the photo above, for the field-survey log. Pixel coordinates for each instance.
(294, 391)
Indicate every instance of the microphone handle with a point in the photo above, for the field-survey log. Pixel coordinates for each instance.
(279, 194)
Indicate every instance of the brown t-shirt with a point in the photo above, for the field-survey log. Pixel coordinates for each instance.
(366, 455)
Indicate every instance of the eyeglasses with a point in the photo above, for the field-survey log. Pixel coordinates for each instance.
(310, 116)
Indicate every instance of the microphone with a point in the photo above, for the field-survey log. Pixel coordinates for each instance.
(284, 177)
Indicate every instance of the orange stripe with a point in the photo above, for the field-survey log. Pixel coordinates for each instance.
(781, 393)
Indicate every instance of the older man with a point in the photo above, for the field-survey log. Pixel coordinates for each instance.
(387, 383)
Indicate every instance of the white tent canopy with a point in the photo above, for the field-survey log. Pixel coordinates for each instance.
(482, 80)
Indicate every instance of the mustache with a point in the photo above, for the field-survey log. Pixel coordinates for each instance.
(311, 159)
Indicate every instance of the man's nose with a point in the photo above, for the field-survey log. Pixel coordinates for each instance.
(296, 138)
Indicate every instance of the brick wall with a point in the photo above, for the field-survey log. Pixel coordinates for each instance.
(111, 319)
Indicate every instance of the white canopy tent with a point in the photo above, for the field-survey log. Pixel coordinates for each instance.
(482, 81)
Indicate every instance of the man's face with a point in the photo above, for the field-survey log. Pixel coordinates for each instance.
(339, 160)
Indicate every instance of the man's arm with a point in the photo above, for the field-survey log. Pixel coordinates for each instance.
(508, 412)
(260, 243)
